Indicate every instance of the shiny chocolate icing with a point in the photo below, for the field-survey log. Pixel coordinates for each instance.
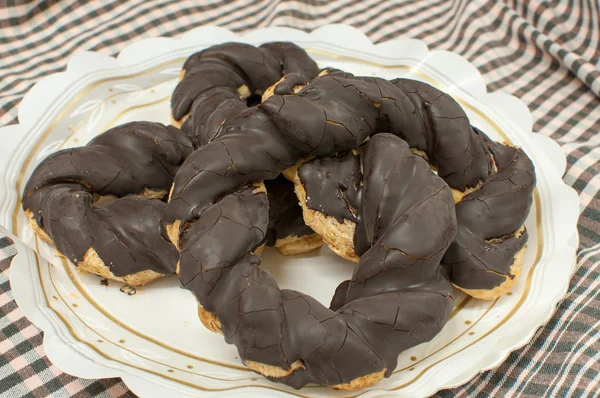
(397, 297)
(213, 102)
(486, 244)
(406, 222)
(122, 162)
(332, 185)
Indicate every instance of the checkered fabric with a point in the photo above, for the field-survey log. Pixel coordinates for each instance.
(545, 52)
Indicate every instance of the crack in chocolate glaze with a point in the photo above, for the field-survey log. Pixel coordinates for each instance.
(125, 162)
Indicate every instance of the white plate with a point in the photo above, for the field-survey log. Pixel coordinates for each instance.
(154, 340)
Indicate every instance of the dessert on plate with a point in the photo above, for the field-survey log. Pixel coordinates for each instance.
(266, 148)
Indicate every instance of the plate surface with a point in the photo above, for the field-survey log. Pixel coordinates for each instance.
(153, 339)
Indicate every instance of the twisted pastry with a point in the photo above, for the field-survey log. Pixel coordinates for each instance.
(229, 71)
(218, 215)
(493, 195)
(485, 258)
(221, 82)
(492, 185)
(131, 166)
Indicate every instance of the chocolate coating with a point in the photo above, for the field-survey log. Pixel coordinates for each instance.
(405, 302)
(218, 114)
(332, 185)
(123, 161)
(444, 133)
(126, 233)
(406, 299)
(288, 82)
(406, 220)
(232, 65)
(285, 216)
(433, 122)
(214, 101)
(208, 111)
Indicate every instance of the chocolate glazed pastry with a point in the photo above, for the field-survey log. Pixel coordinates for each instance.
(493, 202)
(219, 83)
(485, 258)
(218, 215)
(131, 166)
(492, 183)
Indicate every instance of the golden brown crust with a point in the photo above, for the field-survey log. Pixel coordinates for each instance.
(212, 323)
(244, 91)
(293, 244)
(175, 123)
(420, 153)
(173, 233)
(459, 195)
(502, 289)
(154, 194)
(338, 236)
(170, 193)
(259, 187)
(36, 228)
(291, 172)
(361, 382)
(93, 264)
(270, 90)
(209, 320)
(274, 371)
(278, 373)
(259, 250)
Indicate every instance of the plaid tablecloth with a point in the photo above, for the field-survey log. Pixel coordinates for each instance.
(545, 52)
